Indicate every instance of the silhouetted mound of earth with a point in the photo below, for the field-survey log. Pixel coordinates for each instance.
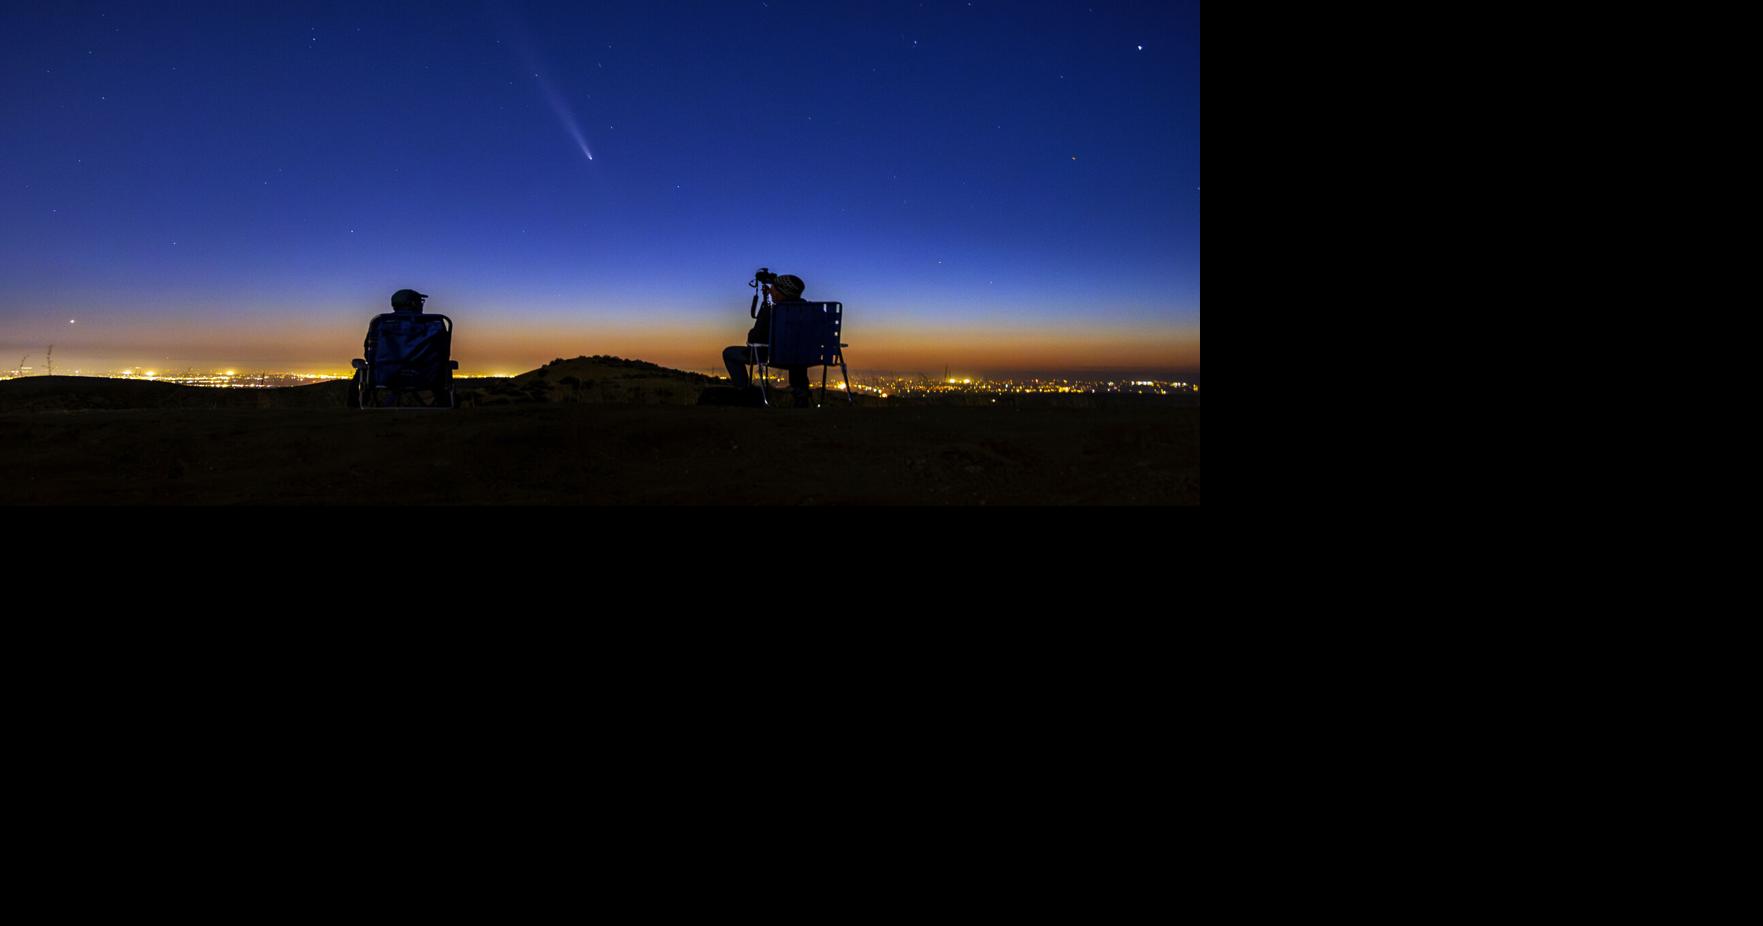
(610, 381)
(588, 380)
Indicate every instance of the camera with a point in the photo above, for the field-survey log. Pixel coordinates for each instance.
(761, 276)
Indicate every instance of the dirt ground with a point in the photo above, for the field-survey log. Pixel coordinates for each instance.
(64, 440)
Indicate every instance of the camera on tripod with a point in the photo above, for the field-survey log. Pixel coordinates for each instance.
(761, 276)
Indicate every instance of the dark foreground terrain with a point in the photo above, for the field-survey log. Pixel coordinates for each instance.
(87, 442)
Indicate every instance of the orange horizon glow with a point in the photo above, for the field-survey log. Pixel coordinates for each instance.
(968, 348)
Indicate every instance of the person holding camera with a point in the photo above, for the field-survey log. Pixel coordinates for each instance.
(785, 288)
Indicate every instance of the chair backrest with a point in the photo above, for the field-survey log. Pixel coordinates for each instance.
(411, 350)
(806, 334)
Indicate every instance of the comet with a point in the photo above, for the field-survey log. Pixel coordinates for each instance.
(518, 39)
(565, 115)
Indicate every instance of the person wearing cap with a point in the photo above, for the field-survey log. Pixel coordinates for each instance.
(787, 289)
(408, 300)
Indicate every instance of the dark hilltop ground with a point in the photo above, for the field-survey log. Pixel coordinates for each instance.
(593, 430)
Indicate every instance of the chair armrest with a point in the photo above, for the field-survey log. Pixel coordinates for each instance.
(358, 364)
(757, 344)
(452, 364)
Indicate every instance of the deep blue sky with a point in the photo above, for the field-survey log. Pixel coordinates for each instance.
(201, 183)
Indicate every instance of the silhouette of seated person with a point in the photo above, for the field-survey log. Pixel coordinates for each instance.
(787, 289)
(405, 302)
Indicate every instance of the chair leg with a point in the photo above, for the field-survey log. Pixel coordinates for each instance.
(823, 385)
(847, 375)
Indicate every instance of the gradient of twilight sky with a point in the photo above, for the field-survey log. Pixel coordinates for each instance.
(994, 186)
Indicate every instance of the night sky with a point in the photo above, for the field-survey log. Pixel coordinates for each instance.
(999, 187)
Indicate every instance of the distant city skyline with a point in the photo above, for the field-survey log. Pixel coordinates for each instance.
(883, 385)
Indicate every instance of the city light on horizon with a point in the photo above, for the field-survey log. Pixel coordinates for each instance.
(879, 384)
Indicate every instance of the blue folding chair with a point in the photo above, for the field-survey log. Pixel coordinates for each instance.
(407, 352)
(803, 334)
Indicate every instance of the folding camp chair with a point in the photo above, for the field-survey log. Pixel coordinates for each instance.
(407, 352)
(803, 334)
